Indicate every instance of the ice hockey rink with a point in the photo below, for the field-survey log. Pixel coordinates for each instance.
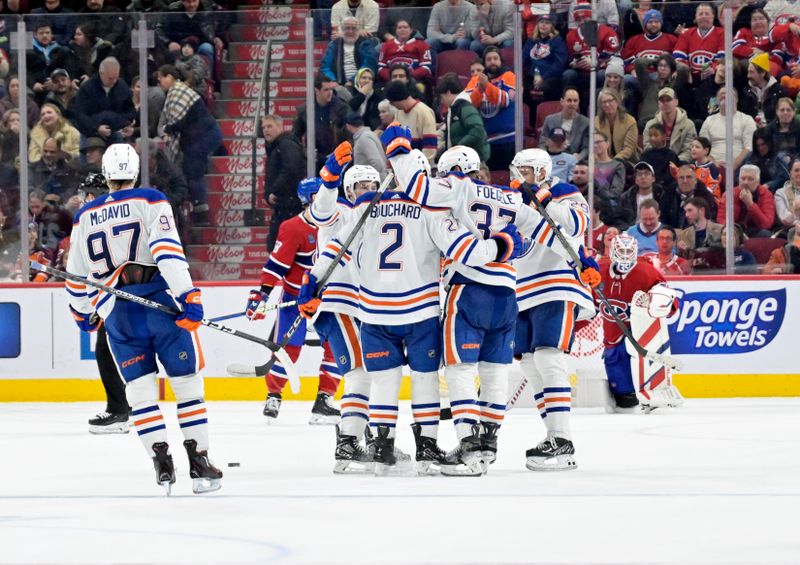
(716, 481)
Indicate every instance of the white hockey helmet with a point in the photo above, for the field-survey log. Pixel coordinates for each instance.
(120, 162)
(623, 254)
(537, 159)
(461, 156)
(356, 174)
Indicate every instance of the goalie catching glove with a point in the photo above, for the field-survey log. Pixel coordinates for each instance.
(86, 322)
(590, 270)
(336, 164)
(662, 301)
(307, 301)
(192, 315)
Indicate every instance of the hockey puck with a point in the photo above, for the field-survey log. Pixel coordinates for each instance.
(234, 464)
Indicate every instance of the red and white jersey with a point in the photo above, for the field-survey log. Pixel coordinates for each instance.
(744, 42)
(292, 256)
(787, 44)
(619, 289)
(697, 49)
(397, 256)
(783, 11)
(673, 266)
(414, 53)
(607, 44)
(545, 272)
(133, 225)
(649, 47)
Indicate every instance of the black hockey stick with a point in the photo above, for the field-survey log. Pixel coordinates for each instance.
(261, 370)
(270, 308)
(667, 360)
(275, 350)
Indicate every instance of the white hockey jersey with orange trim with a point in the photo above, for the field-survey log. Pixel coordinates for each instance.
(545, 272)
(132, 225)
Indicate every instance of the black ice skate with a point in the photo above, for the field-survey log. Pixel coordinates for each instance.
(430, 457)
(466, 460)
(205, 477)
(165, 468)
(324, 412)
(108, 423)
(489, 442)
(552, 454)
(399, 454)
(384, 457)
(626, 403)
(272, 406)
(350, 456)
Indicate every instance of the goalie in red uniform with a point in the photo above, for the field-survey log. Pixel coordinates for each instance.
(639, 296)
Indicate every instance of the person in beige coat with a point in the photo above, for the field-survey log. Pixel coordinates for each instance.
(675, 120)
(53, 124)
(618, 126)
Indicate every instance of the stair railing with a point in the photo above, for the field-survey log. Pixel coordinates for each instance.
(255, 216)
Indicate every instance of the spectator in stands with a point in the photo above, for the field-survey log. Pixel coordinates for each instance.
(406, 49)
(615, 80)
(165, 175)
(386, 112)
(348, 55)
(91, 157)
(449, 25)
(760, 96)
(773, 168)
(754, 40)
(658, 155)
(107, 23)
(699, 48)
(743, 128)
(193, 67)
(9, 137)
(286, 167)
(11, 101)
(786, 36)
(53, 125)
(787, 198)
(155, 101)
(645, 186)
(575, 125)
(665, 260)
(713, 258)
(648, 45)
(366, 11)
(188, 125)
(678, 128)
(476, 67)
(51, 173)
(329, 112)
(492, 24)
(646, 230)
(104, 105)
(415, 115)
(617, 125)
(786, 259)
(401, 72)
(782, 11)
(484, 174)
(785, 130)
(61, 25)
(607, 13)
(609, 235)
(580, 177)
(415, 12)
(609, 174)
(45, 57)
(61, 92)
(665, 75)
(753, 204)
(563, 162)
(88, 50)
(365, 99)
(688, 186)
(493, 93)
(195, 18)
(148, 6)
(701, 233)
(463, 124)
(367, 148)
(548, 56)
(705, 168)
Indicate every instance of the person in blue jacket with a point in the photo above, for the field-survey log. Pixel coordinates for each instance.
(548, 56)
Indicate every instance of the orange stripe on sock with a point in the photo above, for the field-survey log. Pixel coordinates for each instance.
(426, 414)
(148, 420)
(195, 413)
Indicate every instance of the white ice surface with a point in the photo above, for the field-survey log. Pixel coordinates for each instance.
(717, 481)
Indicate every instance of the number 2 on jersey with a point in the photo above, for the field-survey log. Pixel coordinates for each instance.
(384, 263)
(99, 250)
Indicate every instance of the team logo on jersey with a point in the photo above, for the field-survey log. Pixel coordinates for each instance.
(727, 322)
(618, 307)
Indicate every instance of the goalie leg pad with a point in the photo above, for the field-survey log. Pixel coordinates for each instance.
(463, 397)
(557, 391)
(355, 403)
(425, 404)
(145, 413)
(192, 413)
(383, 397)
(531, 372)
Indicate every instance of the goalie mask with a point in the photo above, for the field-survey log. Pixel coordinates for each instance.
(120, 162)
(461, 156)
(537, 159)
(358, 174)
(623, 254)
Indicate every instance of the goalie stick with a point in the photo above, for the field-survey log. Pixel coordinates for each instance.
(261, 370)
(276, 352)
(667, 360)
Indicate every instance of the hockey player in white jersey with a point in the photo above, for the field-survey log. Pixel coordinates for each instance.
(128, 239)
(397, 254)
(480, 306)
(551, 297)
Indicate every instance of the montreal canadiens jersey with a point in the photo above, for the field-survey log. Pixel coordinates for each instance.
(331, 214)
(697, 49)
(646, 46)
(292, 255)
(397, 254)
(787, 44)
(607, 44)
(133, 225)
(620, 290)
(545, 272)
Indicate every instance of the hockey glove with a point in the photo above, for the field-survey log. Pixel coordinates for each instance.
(307, 301)
(396, 139)
(509, 243)
(336, 164)
(86, 322)
(256, 302)
(192, 314)
(590, 270)
(544, 196)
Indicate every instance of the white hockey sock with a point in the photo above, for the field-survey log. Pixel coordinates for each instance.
(149, 424)
(463, 397)
(383, 396)
(528, 367)
(557, 390)
(494, 392)
(193, 420)
(425, 404)
(355, 403)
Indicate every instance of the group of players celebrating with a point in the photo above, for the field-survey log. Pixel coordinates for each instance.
(442, 270)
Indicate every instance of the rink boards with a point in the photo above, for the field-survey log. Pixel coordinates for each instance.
(734, 335)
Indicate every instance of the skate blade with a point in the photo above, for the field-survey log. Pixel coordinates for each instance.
(167, 485)
(323, 420)
(353, 468)
(631, 410)
(399, 469)
(557, 463)
(461, 470)
(118, 428)
(202, 486)
(428, 468)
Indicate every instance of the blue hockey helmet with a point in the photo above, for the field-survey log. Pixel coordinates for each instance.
(307, 188)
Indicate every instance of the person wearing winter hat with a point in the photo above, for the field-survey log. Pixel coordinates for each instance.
(649, 45)
(760, 96)
(616, 80)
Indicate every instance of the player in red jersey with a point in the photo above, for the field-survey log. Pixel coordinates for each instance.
(292, 255)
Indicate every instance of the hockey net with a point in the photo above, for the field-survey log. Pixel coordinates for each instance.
(587, 373)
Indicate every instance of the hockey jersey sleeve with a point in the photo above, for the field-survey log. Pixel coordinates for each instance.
(324, 209)
(457, 242)
(80, 295)
(414, 181)
(569, 209)
(282, 256)
(328, 253)
(166, 248)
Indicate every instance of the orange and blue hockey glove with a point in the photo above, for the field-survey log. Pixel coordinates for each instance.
(336, 163)
(396, 139)
(307, 301)
(590, 270)
(192, 316)
(86, 322)
(509, 243)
